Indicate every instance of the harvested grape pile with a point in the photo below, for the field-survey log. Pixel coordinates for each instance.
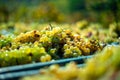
(103, 66)
(97, 31)
(45, 45)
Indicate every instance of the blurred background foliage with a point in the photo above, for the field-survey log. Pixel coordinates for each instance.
(60, 11)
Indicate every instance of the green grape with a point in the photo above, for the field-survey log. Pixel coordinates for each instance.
(44, 38)
(5, 41)
(66, 46)
(45, 58)
(42, 50)
(75, 54)
(68, 51)
(53, 51)
(48, 57)
(42, 59)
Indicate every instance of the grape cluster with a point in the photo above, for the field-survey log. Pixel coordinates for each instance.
(23, 56)
(31, 36)
(5, 41)
(48, 44)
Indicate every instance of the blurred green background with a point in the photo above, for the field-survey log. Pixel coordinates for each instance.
(60, 11)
